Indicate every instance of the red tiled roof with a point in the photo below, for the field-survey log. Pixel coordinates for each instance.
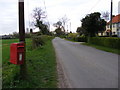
(115, 19)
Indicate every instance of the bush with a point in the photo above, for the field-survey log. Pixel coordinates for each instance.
(76, 37)
(27, 35)
(81, 39)
(72, 36)
(40, 40)
(111, 42)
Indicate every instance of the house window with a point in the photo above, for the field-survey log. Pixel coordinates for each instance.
(113, 25)
(113, 33)
(118, 24)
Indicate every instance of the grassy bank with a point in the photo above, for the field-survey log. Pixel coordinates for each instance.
(41, 67)
(112, 50)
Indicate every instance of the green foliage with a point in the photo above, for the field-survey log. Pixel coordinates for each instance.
(16, 35)
(41, 66)
(38, 15)
(81, 39)
(110, 42)
(59, 32)
(107, 49)
(72, 35)
(38, 41)
(81, 31)
(9, 71)
(27, 35)
(58, 24)
(42, 27)
(93, 24)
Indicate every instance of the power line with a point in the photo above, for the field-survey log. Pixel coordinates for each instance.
(94, 6)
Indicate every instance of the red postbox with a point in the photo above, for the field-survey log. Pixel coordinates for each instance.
(17, 53)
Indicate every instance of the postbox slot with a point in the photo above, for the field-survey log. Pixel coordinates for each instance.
(20, 46)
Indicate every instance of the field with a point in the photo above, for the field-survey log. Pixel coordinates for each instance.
(41, 66)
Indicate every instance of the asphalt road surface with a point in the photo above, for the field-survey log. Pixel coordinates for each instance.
(86, 67)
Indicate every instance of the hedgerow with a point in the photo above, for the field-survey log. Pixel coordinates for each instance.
(111, 42)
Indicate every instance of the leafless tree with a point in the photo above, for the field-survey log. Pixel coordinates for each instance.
(64, 20)
(39, 20)
(38, 14)
(105, 15)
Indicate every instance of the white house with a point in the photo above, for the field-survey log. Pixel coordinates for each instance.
(115, 26)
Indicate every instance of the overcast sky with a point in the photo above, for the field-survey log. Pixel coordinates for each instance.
(75, 10)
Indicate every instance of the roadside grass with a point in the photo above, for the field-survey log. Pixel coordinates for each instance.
(6, 49)
(112, 50)
(41, 67)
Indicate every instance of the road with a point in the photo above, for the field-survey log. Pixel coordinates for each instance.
(86, 67)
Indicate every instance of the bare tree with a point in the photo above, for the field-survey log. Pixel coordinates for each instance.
(38, 14)
(58, 24)
(105, 15)
(64, 20)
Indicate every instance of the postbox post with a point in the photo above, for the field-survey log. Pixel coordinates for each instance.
(23, 72)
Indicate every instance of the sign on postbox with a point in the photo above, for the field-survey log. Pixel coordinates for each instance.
(17, 53)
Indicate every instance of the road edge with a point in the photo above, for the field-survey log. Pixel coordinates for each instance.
(62, 81)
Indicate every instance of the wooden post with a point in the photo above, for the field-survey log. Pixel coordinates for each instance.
(111, 18)
(22, 36)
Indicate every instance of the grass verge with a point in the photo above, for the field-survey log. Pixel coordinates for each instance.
(112, 50)
(41, 67)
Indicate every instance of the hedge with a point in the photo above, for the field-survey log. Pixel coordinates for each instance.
(76, 37)
(81, 39)
(111, 42)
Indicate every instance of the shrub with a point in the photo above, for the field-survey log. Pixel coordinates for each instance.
(111, 42)
(72, 36)
(76, 37)
(81, 39)
(40, 40)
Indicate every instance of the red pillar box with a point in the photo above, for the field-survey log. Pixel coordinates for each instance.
(17, 53)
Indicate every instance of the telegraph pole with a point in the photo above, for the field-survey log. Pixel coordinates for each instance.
(22, 36)
(111, 18)
(70, 26)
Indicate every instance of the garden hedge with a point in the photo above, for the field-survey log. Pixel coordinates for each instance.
(111, 42)
(81, 39)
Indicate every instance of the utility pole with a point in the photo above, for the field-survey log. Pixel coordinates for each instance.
(70, 26)
(111, 18)
(22, 36)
